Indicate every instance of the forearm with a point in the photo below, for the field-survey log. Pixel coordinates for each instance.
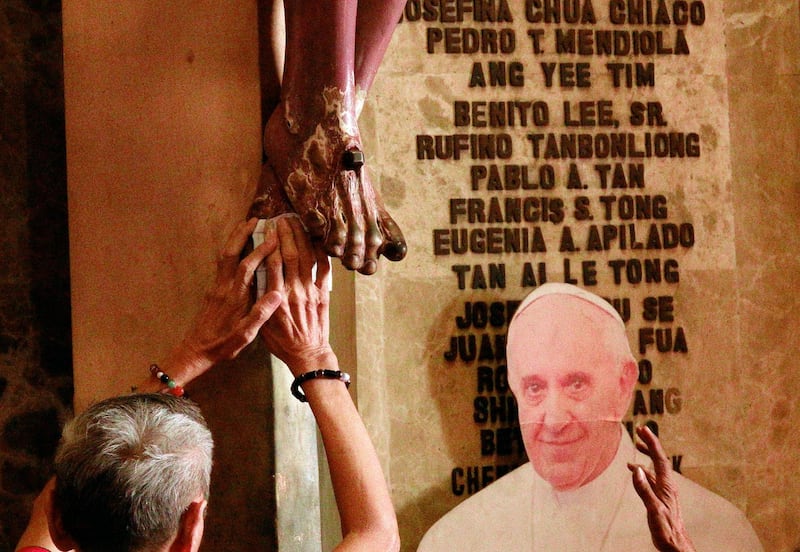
(362, 497)
(183, 365)
(298, 335)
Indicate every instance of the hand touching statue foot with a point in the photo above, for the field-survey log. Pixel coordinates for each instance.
(318, 166)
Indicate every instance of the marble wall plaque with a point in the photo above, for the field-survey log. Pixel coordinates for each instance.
(525, 143)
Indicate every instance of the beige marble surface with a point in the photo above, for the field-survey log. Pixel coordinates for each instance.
(764, 43)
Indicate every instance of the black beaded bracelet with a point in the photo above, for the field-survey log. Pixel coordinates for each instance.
(344, 377)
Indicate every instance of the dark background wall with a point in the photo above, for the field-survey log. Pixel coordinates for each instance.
(35, 333)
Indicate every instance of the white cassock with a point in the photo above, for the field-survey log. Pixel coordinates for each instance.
(521, 512)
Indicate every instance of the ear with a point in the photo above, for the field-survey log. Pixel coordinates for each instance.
(190, 531)
(627, 380)
(55, 525)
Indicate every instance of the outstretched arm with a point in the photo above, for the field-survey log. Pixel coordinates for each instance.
(298, 335)
(660, 496)
(225, 324)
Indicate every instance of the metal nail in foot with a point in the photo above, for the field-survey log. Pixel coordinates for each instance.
(354, 159)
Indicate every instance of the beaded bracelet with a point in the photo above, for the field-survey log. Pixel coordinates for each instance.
(344, 377)
(172, 386)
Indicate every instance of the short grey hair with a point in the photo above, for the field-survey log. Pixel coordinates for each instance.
(128, 467)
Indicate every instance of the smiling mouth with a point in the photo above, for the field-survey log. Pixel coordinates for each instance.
(560, 442)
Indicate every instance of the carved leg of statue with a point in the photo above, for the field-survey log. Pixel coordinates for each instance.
(376, 21)
(312, 140)
(374, 27)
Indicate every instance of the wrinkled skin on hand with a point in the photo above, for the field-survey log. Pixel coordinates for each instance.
(227, 322)
(336, 202)
(298, 331)
(659, 494)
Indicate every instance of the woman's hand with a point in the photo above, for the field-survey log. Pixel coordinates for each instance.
(297, 333)
(227, 323)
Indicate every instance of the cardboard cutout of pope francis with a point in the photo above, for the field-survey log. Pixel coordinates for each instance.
(586, 487)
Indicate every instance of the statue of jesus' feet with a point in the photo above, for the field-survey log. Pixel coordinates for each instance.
(320, 166)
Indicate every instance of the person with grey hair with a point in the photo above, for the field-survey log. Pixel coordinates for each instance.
(586, 488)
(132, 473)
(126, 469)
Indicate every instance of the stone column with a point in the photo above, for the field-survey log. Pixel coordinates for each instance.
(164, 149)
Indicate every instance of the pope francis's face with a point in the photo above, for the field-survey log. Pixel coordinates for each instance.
(569, 376)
